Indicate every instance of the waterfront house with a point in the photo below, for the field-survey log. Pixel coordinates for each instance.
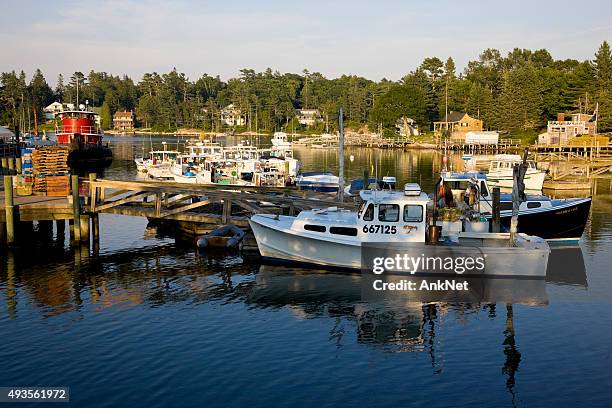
(309, 117)
(458, 124)
(561, 131)
(406, 127)
(232, 116)
(53, 109)
(123, 120)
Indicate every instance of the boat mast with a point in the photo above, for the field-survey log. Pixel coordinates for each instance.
(341, 158)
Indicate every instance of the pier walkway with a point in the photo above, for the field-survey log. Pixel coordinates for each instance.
(209, 206)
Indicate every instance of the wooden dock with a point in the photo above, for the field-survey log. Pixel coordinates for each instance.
(207, 206)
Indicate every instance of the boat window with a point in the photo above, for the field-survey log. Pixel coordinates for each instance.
(413, 213)
(505, 205)
(316, 228)
(368, 215)
(388, 212)
(533, 204)
(351, 232)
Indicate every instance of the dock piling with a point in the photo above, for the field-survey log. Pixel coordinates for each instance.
(9, 209)
(76, 207)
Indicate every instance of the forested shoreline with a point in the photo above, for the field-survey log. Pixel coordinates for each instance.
(517, 93)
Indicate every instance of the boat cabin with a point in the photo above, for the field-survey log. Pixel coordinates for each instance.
(78, 126)
(505, 163)
(384, 216)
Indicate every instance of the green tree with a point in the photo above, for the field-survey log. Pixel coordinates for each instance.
(402, 100)
(603, 75)
(41, 94)
(521, 100)
(106, 118)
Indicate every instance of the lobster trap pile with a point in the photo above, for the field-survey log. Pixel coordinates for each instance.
(50, 171)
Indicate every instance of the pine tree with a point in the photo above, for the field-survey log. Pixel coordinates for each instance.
(106, 118)
(603, 75)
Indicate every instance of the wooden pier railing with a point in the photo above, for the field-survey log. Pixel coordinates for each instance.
(179, 201)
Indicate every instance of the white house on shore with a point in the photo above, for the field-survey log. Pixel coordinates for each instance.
(407, 127)
(560, 131)
(55, 108)
(232, 116)
(309, 117)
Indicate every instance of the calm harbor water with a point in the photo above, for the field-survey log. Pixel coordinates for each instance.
(150, 322)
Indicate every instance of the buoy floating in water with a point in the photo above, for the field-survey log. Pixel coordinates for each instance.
(228, 237)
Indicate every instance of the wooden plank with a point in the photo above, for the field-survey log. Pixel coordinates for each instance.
(104, 197)
(227, 210)
(184, 208)
(241, 221)
(248, 206)
(134, 196)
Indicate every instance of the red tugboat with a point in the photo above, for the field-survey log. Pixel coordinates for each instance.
(81, 133)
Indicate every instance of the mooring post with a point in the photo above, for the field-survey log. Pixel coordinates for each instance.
(93, 200)
(9, 210)
(496, 219)
(93, 192)
(95, 226)
(84, 228)
(227, 210)
(76, 208)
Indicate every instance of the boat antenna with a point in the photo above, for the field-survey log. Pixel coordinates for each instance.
(341, 157)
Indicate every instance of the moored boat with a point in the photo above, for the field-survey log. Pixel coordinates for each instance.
(500, 172)
(337, 238)
(322, 182)
(551, 219)
(80, 131)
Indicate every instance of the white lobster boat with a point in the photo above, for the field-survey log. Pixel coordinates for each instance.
(500, 172)
(336, 238)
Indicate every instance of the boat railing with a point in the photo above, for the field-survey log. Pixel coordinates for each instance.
(92, 130)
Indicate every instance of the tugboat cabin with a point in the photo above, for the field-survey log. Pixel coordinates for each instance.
(79, 126)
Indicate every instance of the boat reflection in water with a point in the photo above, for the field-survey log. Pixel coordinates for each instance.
(566, 266)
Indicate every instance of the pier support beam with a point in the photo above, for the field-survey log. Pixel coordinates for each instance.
(95, 231)
(227, 211)
(84, 228)
(76, 207)
(9, 210)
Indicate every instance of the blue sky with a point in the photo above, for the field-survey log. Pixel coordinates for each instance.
(375, 39)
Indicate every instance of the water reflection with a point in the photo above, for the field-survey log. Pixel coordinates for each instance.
(167, 276)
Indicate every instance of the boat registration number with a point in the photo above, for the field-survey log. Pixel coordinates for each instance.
(379, 229)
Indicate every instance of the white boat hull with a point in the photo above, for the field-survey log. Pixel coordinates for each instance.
(280, 245)
(286, 245)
